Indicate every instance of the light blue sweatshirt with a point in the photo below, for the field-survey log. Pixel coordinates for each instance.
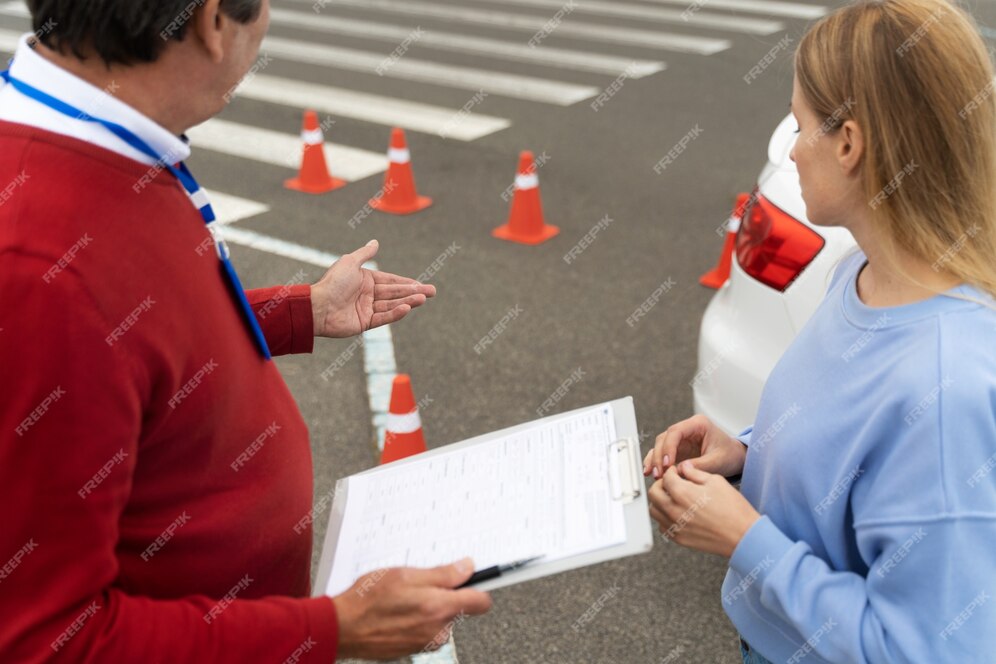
(873, 463)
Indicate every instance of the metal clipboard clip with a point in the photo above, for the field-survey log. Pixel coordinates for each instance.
(625, 482)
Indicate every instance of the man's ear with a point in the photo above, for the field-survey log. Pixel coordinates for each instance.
(850, 147)
(207, 27)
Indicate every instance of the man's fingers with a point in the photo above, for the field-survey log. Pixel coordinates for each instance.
(391, 291)
(387, 278)
(388, 317)
(472, 602)
(444, 576)
(381, 306)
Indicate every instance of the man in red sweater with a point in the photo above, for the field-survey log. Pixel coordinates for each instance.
(154, 468)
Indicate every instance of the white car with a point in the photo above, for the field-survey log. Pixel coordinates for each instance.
(781, 270)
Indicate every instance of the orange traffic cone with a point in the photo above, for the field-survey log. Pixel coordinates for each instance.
(398, 195)
(717, 276)
(525, 222)
(403, 437)
(314, 177)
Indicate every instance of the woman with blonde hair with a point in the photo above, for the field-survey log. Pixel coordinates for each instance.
(866, 527)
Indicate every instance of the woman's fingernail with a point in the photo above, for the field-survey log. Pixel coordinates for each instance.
(667, 459)
(657, 473)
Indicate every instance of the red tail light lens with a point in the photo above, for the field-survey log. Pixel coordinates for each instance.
(772, 246)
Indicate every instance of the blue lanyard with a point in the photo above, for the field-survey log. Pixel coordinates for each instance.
(182, 174)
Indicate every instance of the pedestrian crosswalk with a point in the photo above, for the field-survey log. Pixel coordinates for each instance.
(529, 53)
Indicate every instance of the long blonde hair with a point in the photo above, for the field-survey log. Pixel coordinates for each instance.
(916, 76)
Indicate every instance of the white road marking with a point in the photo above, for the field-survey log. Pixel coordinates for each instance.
(535, 24)
(770, 7)
(701, 19)
(342, 102)
(458, 43)
(229, 209)
(529, 88)
(272, 147)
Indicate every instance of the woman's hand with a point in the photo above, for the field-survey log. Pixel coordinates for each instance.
(700, 510)
(696, 438)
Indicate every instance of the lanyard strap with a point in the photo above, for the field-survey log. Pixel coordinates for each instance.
(180, 171)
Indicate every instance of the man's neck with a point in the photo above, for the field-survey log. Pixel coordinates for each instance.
(133, 85)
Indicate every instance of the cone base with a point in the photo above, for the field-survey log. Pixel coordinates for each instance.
(506, 233)
(420, 203)
(331, 184)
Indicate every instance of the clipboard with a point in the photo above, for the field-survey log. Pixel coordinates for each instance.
(624, 478)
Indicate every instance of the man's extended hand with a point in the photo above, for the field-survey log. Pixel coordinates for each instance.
(350, 299)
(394, 612)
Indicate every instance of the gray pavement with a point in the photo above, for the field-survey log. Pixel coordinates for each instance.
(665, 605)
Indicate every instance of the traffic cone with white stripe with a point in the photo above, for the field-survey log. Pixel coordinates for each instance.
(718, 275)
(403, 435)
(525, 221)
(314, 177)
(398, 196)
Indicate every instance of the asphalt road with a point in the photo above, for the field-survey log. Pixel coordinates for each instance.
(662, 606)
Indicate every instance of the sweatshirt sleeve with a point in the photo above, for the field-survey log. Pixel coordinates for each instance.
(71, 413)
(284, 313)
(926, 597)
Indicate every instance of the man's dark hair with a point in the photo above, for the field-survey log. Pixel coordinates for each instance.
(122, 31)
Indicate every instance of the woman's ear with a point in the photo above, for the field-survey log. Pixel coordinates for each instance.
(850, 147)
(207, 26)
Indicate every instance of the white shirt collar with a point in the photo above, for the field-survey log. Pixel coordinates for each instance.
(33, 69)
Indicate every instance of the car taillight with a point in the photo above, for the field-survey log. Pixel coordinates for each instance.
(772, 246)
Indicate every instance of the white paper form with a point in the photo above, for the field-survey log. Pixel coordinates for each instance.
(541, 491)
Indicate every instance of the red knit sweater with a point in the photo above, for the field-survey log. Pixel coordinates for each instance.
(155, 472)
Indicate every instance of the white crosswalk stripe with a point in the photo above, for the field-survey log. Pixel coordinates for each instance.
(272, 147)
(229, 209)
(701, 19)
(770, 7)
(529, 88)
(342, 102)
(458, 43)
(536, 24)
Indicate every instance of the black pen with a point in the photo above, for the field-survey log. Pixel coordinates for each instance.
(495, 571)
